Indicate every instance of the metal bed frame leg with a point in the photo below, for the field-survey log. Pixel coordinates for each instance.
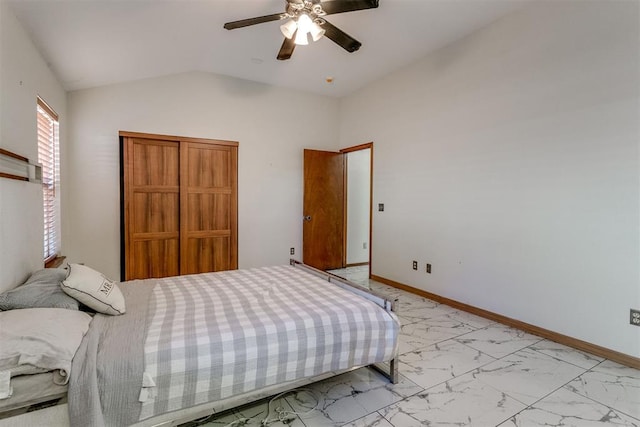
(394, 374)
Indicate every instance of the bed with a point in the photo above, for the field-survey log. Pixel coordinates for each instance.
(189, 346)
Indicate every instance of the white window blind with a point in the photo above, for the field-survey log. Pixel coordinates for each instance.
(49, 157)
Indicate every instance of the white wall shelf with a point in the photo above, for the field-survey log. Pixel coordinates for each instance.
(14, 166)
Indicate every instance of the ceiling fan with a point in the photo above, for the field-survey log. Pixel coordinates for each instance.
(306, 19)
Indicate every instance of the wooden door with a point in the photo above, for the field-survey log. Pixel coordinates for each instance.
(209, 194)
(151, 208)
(323, 222)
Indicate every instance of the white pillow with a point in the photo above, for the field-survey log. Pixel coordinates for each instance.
(93, 290)
(41, 339)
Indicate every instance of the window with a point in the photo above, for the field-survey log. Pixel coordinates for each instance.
(49, 157)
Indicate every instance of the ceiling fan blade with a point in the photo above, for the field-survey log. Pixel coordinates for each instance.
(341, 38)
(253, 21)
(340, 6)
(287, 48)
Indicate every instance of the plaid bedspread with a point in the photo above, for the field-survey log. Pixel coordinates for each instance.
(215, 335)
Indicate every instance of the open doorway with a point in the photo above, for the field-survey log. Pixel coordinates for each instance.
(358, 209)
(337, 210)
(358, 182)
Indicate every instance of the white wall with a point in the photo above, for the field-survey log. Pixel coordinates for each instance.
(509, 161)
(273, 127)
(358, 196)
(23, 76)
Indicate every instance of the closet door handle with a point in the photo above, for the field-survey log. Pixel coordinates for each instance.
(307, 218)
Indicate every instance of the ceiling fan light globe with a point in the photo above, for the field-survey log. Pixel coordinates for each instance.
(301, 38)
(304, 23)
(289, 28)
(316, 32)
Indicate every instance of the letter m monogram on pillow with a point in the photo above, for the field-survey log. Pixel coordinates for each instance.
(106, 287)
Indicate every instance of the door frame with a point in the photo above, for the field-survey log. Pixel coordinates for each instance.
(367, 145)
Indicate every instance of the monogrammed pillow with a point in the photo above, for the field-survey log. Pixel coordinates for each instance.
(93, 290)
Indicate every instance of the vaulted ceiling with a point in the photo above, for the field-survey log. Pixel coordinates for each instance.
(90, 43)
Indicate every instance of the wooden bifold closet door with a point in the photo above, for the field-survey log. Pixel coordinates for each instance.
(179, 205)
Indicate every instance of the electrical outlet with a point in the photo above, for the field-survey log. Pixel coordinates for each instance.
(415, 265)
(429, 268)
(292, 251)
(380, 207)
(634, 317)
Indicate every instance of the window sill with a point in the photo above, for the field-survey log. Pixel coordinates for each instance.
(55, 262)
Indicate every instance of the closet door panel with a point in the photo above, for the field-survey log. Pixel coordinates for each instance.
(207, 254)
(152, 208)
(209, 166)
(216, 208)
(155, 163)
(146, 254)
(208, 194)
(156, 212)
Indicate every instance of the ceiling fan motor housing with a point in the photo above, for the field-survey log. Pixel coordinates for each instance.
(312, 9)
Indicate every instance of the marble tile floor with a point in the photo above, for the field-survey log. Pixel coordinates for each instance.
(458, 369)
(358, 274)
